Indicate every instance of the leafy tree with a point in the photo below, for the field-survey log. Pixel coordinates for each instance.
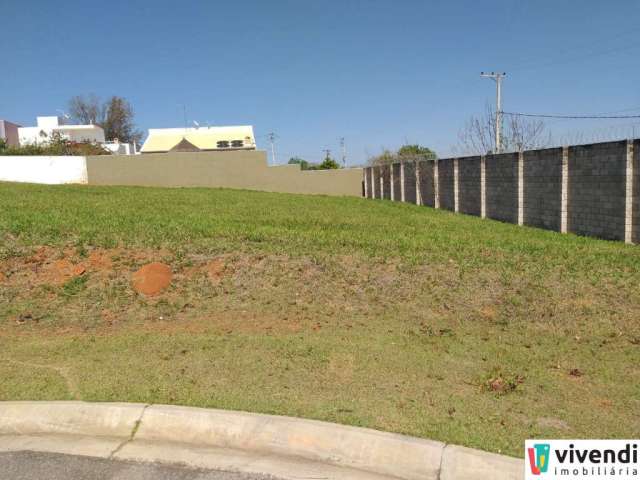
(304, 165)
(406, 153)
(118, 122)
(115, 116)
(328, 164)
(416, 152)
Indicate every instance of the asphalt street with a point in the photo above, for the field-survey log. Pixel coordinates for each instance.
(53, 466)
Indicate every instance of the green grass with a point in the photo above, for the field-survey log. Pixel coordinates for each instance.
(369, 313)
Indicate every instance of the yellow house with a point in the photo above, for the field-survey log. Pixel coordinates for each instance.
(162, 140)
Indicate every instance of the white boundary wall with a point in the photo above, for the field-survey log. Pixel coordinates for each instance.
(41, 169)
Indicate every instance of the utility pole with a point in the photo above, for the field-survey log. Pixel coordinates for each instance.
(184, 112)
(344, 152)
(272, 139)
(497, 77)
(327, 153)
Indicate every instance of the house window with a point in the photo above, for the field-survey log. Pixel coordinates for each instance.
(223, 144)
(237, 143)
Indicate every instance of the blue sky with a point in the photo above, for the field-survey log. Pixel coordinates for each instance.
(379, 73)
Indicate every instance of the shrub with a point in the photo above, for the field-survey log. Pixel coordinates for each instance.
(56, 146)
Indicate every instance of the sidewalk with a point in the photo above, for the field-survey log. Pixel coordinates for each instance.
(285, 447)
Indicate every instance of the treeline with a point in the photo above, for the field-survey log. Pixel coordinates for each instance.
(327, 164)
(406, 153)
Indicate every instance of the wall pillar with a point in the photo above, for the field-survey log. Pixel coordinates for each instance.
(628, 210)
(391, 182)
(366, 183)
(402, 181)
(521, 188)
(418, 194)
(483, 187)
(564, 196)
(456, 190)
(373, 183)
(436, 185)
(381, 184)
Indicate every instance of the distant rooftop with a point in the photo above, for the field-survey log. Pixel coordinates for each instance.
(198, 139)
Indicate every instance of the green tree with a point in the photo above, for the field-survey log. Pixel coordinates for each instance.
(406, 153)
(328, 164)
(304, 165)
(416, 152)
(385, 158)
(118, 121)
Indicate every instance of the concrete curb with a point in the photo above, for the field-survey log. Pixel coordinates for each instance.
(252, 441)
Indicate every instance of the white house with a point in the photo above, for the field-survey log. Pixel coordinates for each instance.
(118, 148)
(162, 140)
(48, 126)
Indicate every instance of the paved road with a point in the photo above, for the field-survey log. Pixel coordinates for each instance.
(53, 466)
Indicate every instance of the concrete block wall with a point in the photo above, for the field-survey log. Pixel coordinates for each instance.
(426, 182)
(386, 181)
(446, 190)
(396, 177)
(368, 181)
(597, 179)
(377, 182)
(409, 182)
(501, 177)
(635, 202)
(589, 190)
(469, 186)
(542, 178)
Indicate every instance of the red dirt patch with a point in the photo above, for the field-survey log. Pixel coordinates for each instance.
(60, 271)
(3, 277)
(215, 270)
(152, 278)
(100, 260)
(41, 255)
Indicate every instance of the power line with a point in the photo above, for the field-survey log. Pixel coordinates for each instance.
(540, 115)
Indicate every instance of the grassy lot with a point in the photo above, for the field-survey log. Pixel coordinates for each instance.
(369, 313)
